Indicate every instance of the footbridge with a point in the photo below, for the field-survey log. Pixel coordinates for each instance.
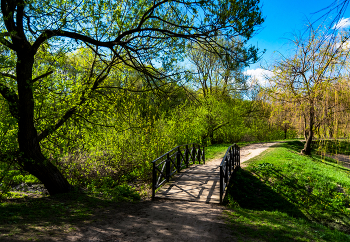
(183, 174)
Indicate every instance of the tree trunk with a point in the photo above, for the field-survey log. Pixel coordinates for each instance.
(31, 158)
(331, 131)
(285, 131)
(305, 129)
(305, 134)
(307, 146)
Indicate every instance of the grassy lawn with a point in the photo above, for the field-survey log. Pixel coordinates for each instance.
(216, 151)
(284, 196)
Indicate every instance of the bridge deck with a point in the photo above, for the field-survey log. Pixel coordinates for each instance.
(201, 182)
(198, 183)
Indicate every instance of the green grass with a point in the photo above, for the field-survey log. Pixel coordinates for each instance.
(255, 225)
(55, 214)
(216, 151)
(285, 196)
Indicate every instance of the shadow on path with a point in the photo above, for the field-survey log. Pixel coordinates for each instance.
(95, 220)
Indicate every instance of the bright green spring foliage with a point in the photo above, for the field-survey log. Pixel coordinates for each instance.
(120, 133)
(71, 70)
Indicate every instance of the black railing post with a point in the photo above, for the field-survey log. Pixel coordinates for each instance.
(227, 167)
(236, 154)
(154, 180)
(186, 156)
(230, 161)
(239, 156)
(199, 154)
(193, 154)
(226, 173)
(221, 183)
(167, 167)
(178, 159)
(204, 155)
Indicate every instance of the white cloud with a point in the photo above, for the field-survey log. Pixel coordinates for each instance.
(342, 24)
(345, 46)
(259, 76)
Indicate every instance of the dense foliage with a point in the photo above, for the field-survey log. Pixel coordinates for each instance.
(90, 96)
(121, 132)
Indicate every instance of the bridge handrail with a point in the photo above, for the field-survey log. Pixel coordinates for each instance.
(229, 164)
(172, 164)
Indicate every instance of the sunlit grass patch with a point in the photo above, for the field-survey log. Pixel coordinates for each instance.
(254, 225)
(303, 187)
(215, 151)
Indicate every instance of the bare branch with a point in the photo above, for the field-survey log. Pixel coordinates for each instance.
(42, 76)
(8, 75)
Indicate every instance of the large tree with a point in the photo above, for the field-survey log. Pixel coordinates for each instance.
(306, 81)
(218, 76)
(218, 73)
(134, 34)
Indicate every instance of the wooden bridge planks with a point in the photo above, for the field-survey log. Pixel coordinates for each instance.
(199, 183)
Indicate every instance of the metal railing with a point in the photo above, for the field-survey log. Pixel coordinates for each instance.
(229, 164)
(173, 161)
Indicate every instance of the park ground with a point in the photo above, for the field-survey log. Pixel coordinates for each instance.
(278, 195)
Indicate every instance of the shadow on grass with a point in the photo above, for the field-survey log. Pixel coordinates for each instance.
(283, 194)
(58, 209)
(253, 225)
(247, 191)
(53, 215)
(262, 212)
(303, 198)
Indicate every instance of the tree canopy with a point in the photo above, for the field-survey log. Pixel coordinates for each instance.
(307, 81)
(38, 38)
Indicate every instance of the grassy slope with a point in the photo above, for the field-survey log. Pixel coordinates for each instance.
(284, 196)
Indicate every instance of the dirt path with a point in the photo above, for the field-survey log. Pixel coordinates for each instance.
(160, 220)
(250, 151)
(166, 220)
(163, 220)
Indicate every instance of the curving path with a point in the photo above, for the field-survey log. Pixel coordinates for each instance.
(250, 151)
(201, 183)
(155, 221)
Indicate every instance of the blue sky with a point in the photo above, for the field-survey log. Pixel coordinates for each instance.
(283, 18)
